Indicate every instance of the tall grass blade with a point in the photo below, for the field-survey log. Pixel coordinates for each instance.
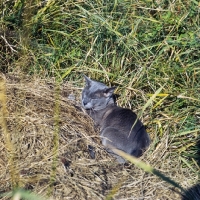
(146, 167)
(12, 163)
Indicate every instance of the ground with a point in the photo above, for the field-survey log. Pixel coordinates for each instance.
(44, 148)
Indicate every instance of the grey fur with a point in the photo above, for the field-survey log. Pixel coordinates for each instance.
(116, 123)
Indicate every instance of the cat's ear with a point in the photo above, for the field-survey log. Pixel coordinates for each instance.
(87, 80)
(109, 91)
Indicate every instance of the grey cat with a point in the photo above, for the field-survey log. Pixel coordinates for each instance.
(118, 126)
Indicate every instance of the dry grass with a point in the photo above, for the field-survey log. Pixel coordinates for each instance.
(39, 117)
(139, 46)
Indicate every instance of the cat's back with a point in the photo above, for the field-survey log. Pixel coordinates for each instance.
(121, 118)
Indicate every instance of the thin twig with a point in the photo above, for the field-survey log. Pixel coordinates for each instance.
(8, 43)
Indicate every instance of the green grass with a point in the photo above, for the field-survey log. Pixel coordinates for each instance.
(138, 47)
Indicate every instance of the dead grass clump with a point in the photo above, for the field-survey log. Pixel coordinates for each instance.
(40, 116)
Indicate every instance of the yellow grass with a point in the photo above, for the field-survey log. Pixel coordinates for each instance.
(44, 138)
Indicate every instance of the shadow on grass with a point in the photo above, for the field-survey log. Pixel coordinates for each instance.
(193, 193)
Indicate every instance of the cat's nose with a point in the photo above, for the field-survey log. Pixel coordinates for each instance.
(84, 103)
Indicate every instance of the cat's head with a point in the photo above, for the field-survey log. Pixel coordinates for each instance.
(96, 95)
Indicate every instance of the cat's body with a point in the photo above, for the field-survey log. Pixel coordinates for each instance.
(118, 126)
